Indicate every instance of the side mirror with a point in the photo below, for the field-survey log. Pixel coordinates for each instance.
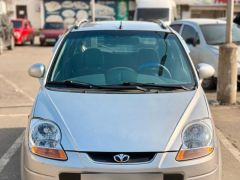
(37, 70)
(191, 41)
(205, 71)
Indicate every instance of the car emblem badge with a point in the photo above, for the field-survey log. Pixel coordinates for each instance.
(121, 158)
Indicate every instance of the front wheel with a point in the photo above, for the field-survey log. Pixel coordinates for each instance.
(12, 44)
(32, 40)
(42, 43)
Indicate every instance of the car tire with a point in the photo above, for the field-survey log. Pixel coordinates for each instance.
(12, 44)
(209, 84)
(1, 46)
(32, 40)
(42, 43)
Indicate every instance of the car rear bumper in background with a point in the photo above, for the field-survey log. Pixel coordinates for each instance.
(164, 165)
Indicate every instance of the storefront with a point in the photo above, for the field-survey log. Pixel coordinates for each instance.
(204, 8)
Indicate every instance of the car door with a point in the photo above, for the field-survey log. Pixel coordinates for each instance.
(191, 37)
(29, 31)
(176, 27)
(25, 30)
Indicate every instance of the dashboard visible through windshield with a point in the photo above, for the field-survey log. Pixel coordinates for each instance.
(107, 58)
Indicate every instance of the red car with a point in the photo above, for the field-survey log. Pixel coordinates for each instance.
(51, 32)
(23, 31)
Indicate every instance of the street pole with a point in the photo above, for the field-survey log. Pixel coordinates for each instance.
(93, 10)
(230, 10)
(227, 66)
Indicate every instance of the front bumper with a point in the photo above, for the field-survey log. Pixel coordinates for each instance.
(37, 168)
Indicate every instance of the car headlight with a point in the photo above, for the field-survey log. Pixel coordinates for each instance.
(197, 138)
(45, 139)
(17, 34)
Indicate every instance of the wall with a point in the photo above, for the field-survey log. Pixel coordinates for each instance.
(70, 11)
(33, 10)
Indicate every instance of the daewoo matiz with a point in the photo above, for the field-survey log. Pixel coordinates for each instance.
(121, 101)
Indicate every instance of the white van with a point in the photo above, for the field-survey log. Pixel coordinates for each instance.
(154, 9)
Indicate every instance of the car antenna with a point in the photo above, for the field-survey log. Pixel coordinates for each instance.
(120, 27)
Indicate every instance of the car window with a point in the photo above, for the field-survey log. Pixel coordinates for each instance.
(54, 26)
(153, 13)
(214, 34)
(176, 27)
(189, 34)
(17, 23)
(115, 57)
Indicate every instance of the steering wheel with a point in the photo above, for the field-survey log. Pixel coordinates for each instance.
(153, 66)
(118, 75)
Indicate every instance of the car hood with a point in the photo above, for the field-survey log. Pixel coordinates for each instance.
(114, 122)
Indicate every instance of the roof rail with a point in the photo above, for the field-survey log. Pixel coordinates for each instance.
(79, 23)
(162, 24)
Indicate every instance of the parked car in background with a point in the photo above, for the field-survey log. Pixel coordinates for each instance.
(6, 34)
(203, 37)
(51, 32)
(121, 101)
(23, 31)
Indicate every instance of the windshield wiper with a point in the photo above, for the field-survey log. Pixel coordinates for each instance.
(158, 86)
(145, 87)
(74, 84)
(217, 43)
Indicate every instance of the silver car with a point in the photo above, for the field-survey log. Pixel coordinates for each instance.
(203, 37)
(121, 101)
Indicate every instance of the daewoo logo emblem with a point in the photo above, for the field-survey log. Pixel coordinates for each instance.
(121, 158)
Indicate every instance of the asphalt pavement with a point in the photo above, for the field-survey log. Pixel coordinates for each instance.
(17, 93)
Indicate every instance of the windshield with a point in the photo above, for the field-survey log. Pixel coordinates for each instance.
(215, 34)
(117, 57)
(54, 26)
(17, 24)
(153, 14)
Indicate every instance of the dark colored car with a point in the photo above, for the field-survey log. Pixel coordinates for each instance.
(23, 31)
(6, 34)
(51, 32)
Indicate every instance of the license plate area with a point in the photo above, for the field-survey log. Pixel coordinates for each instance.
(139, 176)
(50, 40)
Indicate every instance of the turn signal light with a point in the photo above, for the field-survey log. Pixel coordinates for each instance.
(189, 154)
(50, 153)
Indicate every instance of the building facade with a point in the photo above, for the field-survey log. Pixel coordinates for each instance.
(204, 8)
(25, 9)
(70, 11)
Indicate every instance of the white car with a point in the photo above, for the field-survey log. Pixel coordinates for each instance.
(204, 36)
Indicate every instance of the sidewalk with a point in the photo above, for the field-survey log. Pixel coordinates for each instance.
(227, 121)
(212, 97)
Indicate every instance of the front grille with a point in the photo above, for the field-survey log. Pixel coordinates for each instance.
(77, 176)
(70, 176)
(134, 157)
(173, 177)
